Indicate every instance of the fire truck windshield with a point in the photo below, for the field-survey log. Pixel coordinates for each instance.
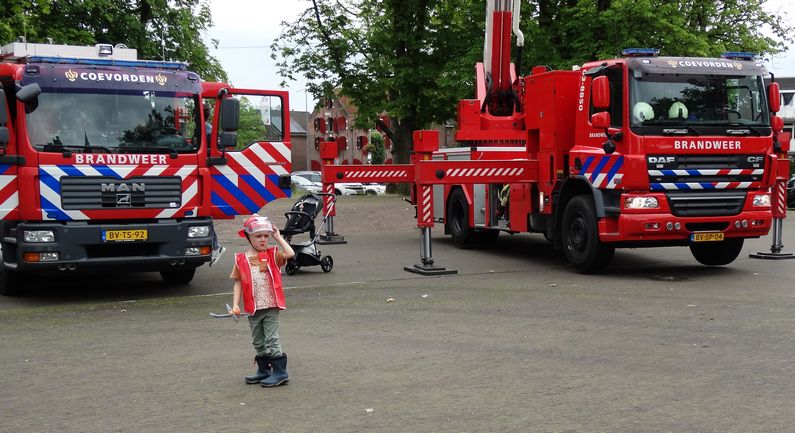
(700, 104)
(144, 121)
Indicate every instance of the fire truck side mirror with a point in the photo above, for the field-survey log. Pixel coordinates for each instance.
(777, 124)
(601, 120)
(29, 95)
(773, 97)
(230, 114)
(600, 93)
(227, 139)
(29, 92)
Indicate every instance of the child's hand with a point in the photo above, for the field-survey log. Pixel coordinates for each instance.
(235, 310)
(276, 233)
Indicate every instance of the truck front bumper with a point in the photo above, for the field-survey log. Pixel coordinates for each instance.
(641, 229)
(82, 246)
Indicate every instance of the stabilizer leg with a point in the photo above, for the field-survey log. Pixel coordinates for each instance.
(778, 245)
(426, 266)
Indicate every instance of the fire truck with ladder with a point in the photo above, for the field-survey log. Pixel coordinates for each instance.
(113, 164)
(637, 151)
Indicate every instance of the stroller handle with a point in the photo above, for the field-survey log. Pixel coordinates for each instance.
(295, 212)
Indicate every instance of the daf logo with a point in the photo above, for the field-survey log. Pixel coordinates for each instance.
(661, 159)
(123, 187)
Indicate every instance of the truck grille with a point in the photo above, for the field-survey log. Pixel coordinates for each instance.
(99, 192)
(704, 172)
(705, 185)
(709, 203)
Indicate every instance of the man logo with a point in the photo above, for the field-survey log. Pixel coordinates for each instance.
(123, 187)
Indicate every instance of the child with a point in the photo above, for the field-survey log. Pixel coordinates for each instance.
(258, 279)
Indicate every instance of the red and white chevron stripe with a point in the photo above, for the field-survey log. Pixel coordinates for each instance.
(466, 172)
(375, 173)
(425, 208)
(780, 199)
(328, 203)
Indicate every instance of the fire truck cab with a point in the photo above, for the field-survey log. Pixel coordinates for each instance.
(113, 164)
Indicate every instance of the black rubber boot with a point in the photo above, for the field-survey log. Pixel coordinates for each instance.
(263, 370)
(279, 374)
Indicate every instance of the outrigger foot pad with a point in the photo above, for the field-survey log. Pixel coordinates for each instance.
(333, 239)
(772, 256)
(429, 270)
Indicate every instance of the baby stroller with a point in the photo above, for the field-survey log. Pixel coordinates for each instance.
(301, 219)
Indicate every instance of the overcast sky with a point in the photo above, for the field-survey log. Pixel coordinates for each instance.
(246, 29)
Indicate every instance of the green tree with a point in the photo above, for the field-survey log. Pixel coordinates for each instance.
(413, 59)
(376, 148)
(158, 29)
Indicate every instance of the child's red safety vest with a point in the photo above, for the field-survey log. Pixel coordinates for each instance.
(243, 265)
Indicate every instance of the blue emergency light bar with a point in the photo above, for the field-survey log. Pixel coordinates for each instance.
(640, 52)
(178, 66)
(738, 55)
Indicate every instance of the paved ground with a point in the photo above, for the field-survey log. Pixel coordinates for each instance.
(515, 342)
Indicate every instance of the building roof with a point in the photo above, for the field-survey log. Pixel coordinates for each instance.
(299, 122)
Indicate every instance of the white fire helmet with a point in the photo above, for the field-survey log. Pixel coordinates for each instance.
(642, 111)
(255, 224)
(677, 110)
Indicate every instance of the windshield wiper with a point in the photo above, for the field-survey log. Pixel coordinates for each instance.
(57, 146)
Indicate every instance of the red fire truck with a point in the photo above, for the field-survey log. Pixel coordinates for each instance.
(110, 163)
(637, 151)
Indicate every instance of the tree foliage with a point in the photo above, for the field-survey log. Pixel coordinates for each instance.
(413, 59)
(158, 29)
(376, 148)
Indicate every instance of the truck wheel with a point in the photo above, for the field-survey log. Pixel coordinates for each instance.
(178, 278)
(581, 243)
(717, 253)
(458, 219)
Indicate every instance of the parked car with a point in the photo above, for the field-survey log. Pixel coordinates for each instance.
(374, 189)
(791, 192)
(343, 188)
(305, 184)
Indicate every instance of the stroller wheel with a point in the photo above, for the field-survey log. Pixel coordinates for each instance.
(291, 267)
(326, 263)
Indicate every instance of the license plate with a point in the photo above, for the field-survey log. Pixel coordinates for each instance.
(706, 237)
(124, 235)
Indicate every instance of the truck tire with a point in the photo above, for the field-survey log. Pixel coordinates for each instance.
(717, 253)
(581, 244)
(458, 219)
(178, 277)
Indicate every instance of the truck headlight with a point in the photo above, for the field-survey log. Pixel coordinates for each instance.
(39, 236)
(762, 200)
(641, 203)
(198, 231)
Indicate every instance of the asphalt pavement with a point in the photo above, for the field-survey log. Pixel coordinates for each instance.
(514, 342)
